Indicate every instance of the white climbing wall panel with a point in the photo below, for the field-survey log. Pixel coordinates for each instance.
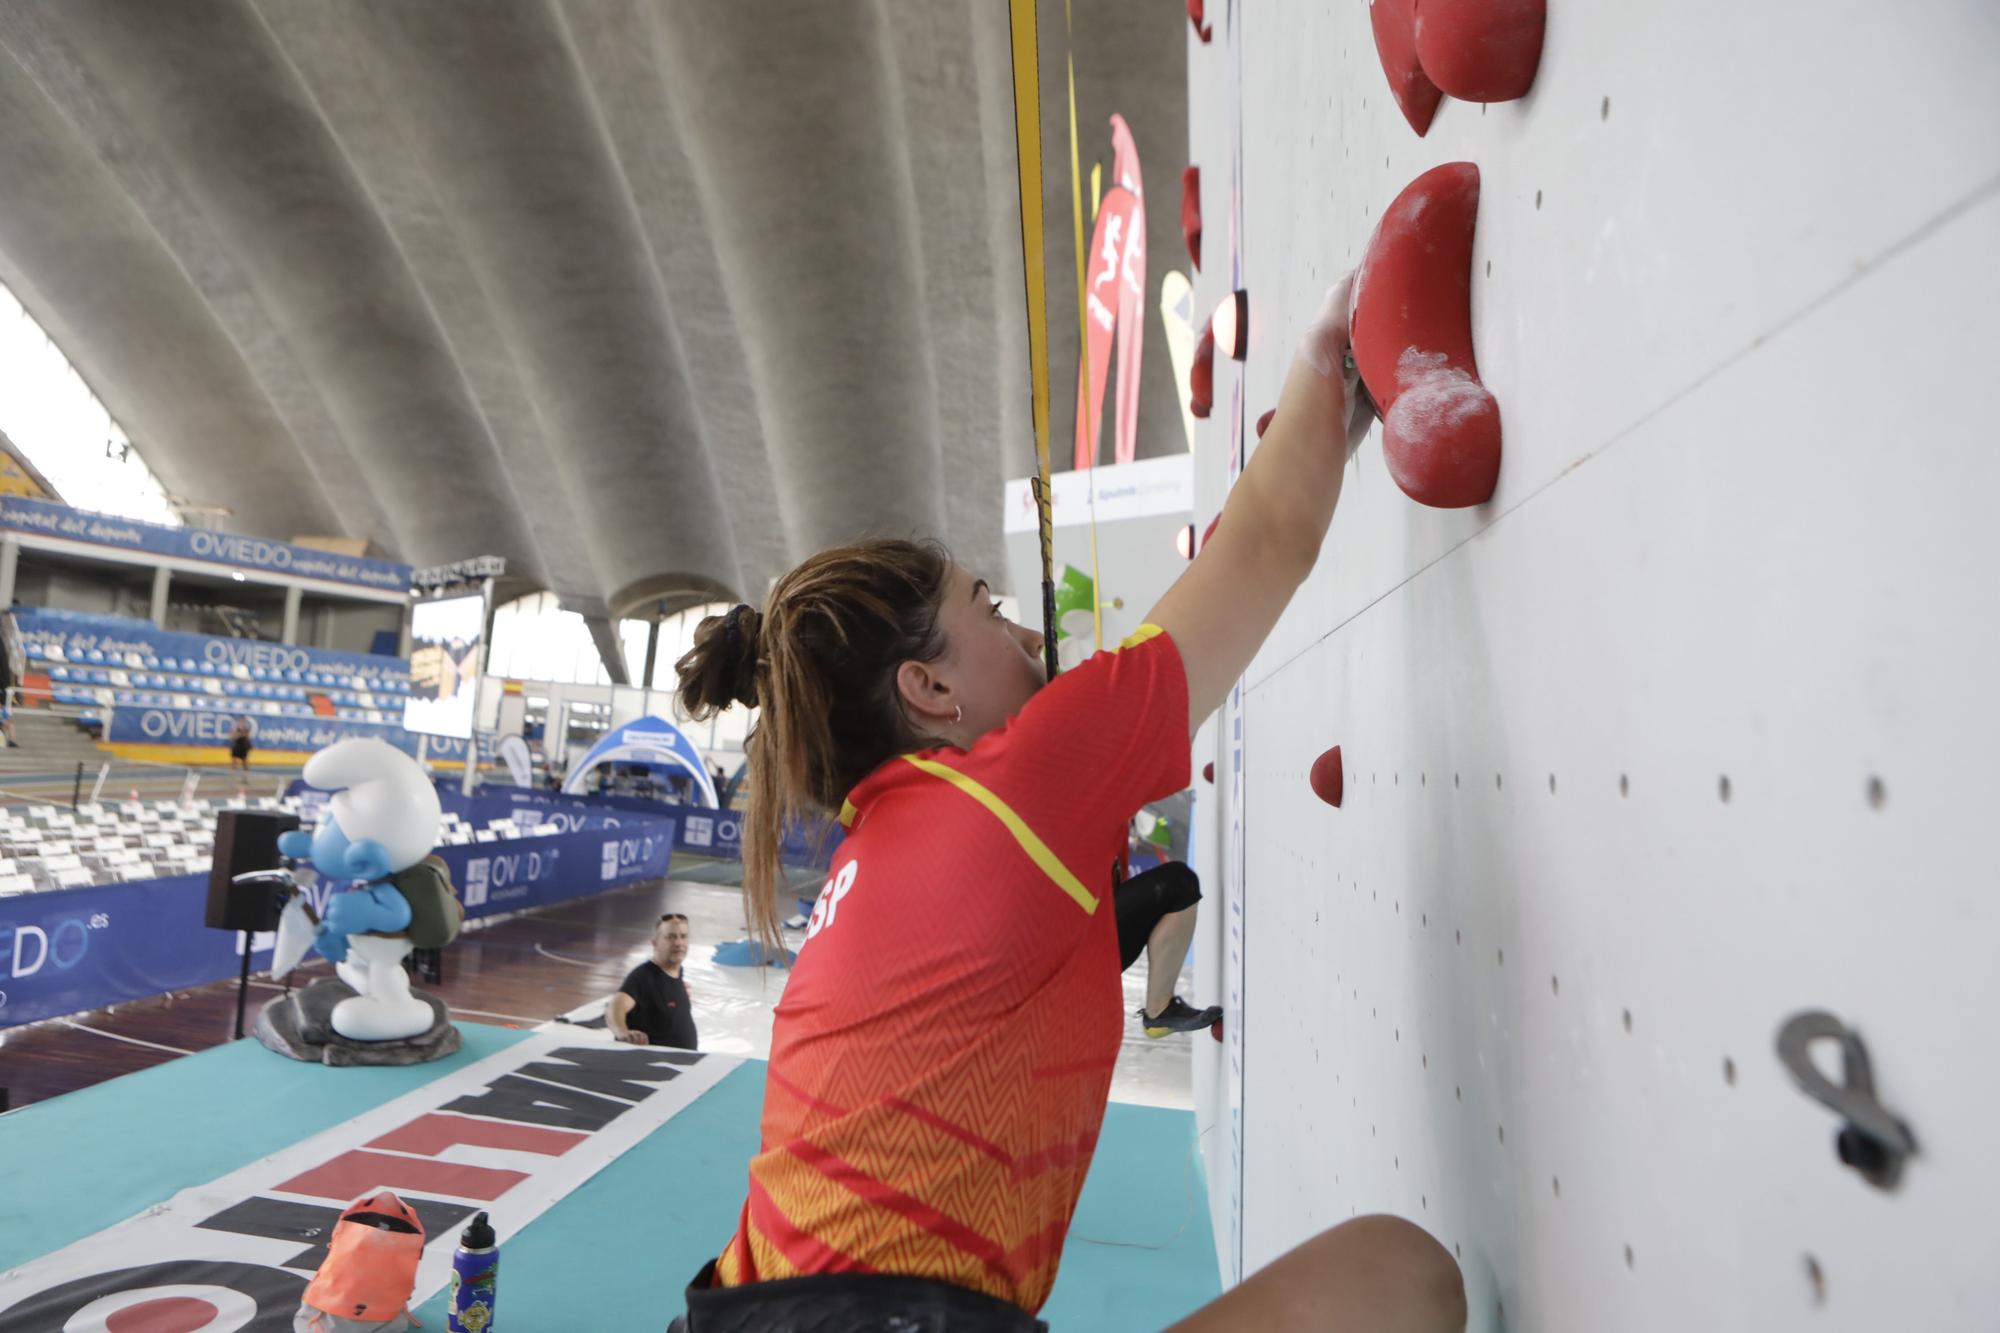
(1692, 727)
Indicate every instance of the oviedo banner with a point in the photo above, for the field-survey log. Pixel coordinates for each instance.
(72, 950)
(209, 728)
(40, 518)
(698, 830)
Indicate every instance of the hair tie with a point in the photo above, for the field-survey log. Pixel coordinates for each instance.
(732, 630)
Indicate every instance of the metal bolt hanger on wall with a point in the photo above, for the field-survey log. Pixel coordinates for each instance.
(1871, 1140)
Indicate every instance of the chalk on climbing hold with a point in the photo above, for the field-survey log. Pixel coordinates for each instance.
(1191, 213)
(1480, 50)
(1412, 340)
(1264, 422)
(1328, 780)
(1201, 376)
(1395, 24)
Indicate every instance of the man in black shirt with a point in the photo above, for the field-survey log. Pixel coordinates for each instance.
(651, 1007)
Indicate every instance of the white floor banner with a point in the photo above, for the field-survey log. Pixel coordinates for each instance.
(508, 1135)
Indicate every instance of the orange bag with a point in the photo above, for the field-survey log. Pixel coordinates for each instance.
(371, 1265)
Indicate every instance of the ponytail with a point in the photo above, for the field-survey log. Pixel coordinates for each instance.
(819, 662)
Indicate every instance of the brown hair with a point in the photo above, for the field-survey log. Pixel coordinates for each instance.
(820, 663)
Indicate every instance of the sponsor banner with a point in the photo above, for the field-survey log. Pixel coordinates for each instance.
(227, 549)
(209, 728)
(449, 751)
(700, 830)
(73, 950)
(707, 832)
(519, 873)
(74, 635)
(509, 1135)
(1131, 291)
(1149, 487)
(1177, 317)
(1109, 270)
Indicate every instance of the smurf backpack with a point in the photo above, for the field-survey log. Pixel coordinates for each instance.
(370, 1272)
(435, 912)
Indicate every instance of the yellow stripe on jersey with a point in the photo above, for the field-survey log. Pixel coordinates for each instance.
(1140, 635)
(1037, 850)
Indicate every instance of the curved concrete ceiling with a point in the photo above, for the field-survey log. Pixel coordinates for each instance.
(652, 299)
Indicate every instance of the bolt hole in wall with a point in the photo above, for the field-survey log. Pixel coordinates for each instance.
(1815, 1280)
(1723, 788)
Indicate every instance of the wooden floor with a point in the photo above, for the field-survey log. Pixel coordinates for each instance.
(522, 971)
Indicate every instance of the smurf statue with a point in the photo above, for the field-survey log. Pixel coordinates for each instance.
(375, 835)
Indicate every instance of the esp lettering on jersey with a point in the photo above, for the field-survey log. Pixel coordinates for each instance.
(830, 895)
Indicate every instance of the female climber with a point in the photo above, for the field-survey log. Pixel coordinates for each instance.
(942, 1055)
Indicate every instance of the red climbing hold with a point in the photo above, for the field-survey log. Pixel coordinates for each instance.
(1209, 531)
(1208, 773)
(1412, 332)
(1395, 23)
(1479, 50)
(1201, 28)
(1201, 376)
(1215, 1029)
(1191, 213)
(1264, 421)
(1328, 781)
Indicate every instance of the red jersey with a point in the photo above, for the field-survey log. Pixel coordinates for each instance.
(942, 1054)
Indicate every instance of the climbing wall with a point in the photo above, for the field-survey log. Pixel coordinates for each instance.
(1689, 729)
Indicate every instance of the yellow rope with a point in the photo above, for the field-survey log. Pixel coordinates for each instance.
(1028, 152)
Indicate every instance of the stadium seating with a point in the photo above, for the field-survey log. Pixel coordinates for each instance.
(95, 679)
(48, 848)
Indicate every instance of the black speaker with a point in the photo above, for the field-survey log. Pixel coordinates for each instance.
(245, 840)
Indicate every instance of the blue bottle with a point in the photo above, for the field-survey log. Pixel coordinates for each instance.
(475, 1270)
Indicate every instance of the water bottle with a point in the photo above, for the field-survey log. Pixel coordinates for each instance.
(475, 1269)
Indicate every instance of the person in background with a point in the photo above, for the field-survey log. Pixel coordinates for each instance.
(239, 746)
(7, 717)
(651, 1006)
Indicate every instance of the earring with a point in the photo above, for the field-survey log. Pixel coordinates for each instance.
(958, 713)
